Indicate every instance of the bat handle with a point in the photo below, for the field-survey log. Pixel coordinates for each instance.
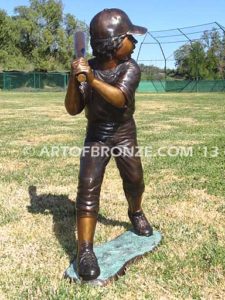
(81, 77)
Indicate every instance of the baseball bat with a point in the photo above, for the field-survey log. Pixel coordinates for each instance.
(80, 50)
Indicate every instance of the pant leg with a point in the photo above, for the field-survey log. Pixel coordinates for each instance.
(92, 169)
(130, 169)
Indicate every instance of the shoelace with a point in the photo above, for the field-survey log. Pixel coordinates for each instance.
(140, 219)
(88, 258)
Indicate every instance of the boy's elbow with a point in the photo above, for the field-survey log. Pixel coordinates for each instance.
(71, 113)
(73, 110)
(70, 110)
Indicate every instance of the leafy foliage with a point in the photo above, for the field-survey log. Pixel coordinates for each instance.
(151, 72)
(37, 37)
(202, 59)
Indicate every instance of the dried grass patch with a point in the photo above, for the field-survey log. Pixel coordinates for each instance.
(184, 120)
(152, 107)
(7, 165)
(169, 176)
(197, 209)
(30, 245)
(10, 114)
(154, 128)
(53, 112)
(185, 143)
(36, 140)
(144, 285)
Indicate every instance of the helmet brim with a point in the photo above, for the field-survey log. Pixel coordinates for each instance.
(139, 30)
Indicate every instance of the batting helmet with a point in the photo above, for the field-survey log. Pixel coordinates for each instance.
(111, 23)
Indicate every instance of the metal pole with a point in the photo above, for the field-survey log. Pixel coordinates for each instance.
(196, 70)
(4, 81)
(165, 70)
(139, 50)
(220, 26)
(64, 77)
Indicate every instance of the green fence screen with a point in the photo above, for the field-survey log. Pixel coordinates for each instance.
(182, 86)
(152, 86)
(34, 81)
(195, 86)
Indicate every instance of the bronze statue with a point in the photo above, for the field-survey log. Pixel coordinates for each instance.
(108, 97)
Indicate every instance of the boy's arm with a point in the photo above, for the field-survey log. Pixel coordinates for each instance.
(73, 101)
(110, 93)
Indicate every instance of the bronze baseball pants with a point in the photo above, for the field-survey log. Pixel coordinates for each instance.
(98, 149)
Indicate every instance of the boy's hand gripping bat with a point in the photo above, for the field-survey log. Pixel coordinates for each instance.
(80, 50)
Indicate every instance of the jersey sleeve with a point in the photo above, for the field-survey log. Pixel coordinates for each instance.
(129, 81)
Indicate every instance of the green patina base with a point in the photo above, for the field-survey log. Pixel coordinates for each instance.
(115, 255)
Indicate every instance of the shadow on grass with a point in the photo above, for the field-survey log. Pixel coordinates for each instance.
(111, 222)
(63, 211)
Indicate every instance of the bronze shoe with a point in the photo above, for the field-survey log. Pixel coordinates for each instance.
(87, 264)
(140, 223)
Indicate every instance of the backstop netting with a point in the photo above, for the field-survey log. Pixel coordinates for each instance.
(189, 59)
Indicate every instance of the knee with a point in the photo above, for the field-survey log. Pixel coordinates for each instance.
(88, 193)
(87, 208)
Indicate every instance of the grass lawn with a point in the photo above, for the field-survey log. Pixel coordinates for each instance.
(184, 198)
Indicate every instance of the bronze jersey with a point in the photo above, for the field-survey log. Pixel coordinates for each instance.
(126, 77)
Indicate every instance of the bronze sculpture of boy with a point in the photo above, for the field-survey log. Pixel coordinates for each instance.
(108, 97)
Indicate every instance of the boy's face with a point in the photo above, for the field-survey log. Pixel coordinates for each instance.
(126, 48)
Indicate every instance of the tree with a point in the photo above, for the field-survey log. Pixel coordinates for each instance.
(196, 62)
(222, 57)
(202, 59)
(190, 61)
(10, 54)
(70, 24)
(40, 35)
(212, 43)
(151, 72)
(181, 59)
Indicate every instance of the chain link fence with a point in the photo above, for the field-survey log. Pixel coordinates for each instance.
(47, 82)
(33, 81)
(179, 86)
